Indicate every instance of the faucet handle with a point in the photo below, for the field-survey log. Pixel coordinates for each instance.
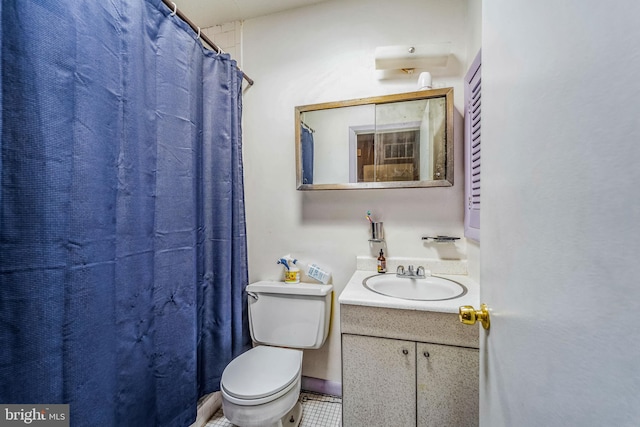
(400, 269)
(420, 271)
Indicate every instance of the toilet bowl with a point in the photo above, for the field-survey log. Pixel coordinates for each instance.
(260, 388)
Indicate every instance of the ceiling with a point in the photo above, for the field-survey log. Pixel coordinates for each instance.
(207, 13)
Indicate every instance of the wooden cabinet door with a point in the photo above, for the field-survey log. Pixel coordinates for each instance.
(447, 385)
(378, 382)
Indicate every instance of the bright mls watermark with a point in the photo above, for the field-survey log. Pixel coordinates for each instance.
(34, 415)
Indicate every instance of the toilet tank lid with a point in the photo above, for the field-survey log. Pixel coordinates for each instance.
(273, 287)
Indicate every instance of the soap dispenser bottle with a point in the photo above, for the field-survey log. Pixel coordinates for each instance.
(382, 263)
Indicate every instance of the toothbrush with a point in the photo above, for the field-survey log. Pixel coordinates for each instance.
(369, 217)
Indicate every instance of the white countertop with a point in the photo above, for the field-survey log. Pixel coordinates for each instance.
(356, 294)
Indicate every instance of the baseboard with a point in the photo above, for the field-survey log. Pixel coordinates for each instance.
(318, 385)
(207, 406)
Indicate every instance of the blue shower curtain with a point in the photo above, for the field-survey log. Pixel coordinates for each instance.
(122, 229)
(307, 155)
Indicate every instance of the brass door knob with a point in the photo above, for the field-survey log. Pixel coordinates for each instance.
(469, 315)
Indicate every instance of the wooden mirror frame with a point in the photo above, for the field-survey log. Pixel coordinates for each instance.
(447, 180)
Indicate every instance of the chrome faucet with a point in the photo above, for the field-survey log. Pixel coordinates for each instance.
(411, 273)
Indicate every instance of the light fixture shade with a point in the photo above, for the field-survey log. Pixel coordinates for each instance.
(424, 81)
(412, 57)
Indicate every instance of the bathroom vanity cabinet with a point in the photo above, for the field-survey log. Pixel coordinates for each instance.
(408, 368)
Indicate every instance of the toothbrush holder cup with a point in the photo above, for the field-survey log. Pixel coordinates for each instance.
(377, 232)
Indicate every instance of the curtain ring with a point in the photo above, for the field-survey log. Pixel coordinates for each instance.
(198, 36)
(175, 9)
(219, 50)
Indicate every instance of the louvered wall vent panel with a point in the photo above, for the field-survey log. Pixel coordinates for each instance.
(473, 138)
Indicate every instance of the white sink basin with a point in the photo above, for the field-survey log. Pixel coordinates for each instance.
(431, 288)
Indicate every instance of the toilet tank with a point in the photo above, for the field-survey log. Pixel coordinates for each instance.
(289, 315)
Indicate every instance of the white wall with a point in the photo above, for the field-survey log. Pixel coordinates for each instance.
(325, 53)
(474, 30)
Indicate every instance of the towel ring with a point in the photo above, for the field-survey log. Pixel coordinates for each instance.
(175, 9)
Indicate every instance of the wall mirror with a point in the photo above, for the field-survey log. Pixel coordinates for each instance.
(393, 141)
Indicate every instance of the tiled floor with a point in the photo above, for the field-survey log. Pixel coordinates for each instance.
(318, 410)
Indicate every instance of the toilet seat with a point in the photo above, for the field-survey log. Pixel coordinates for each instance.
(261, 375)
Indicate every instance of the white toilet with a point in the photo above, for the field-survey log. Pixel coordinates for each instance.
(260, 388)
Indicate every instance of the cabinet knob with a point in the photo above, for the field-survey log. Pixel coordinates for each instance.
(405, 351)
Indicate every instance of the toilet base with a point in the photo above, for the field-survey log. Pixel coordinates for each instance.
(293, 417)
(266, 415)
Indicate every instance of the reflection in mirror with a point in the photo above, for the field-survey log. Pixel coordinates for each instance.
(403, 140)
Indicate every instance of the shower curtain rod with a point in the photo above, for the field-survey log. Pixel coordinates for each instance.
(307, 126)
(172, 6)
